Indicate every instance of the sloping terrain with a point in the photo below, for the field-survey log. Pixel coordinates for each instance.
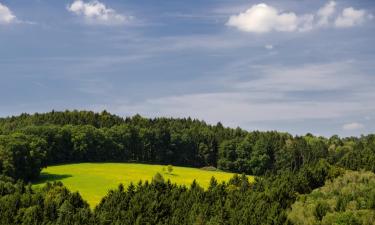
(93, 180)
(349, 199)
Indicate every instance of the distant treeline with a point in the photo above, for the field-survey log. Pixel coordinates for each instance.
(31, 142)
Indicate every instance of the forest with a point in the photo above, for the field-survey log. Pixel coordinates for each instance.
(288, 169)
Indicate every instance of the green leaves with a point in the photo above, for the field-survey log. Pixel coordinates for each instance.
(21, 156)
(321, 209)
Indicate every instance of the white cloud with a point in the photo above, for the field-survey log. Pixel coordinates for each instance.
(350, 17)
(268, 47)
(353, 126)
(97, 13)
(262, 18)
(6, 15)
(325, 13)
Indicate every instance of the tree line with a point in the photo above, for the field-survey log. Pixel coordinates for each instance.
(31, 142)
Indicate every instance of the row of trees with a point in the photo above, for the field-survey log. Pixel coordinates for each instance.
(28, 143)
(103, 119)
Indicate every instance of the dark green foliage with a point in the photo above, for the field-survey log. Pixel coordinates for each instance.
(86, 136)
(103, 119)
(341, 204)
(321, 209)
(286, 167)
(235, 202)
(82, 136)
(158, 179)
(53, 204)
(21, 156)
(344, 200)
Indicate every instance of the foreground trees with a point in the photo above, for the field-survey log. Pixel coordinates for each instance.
(53, 204)
(159, 202)
(349, 199)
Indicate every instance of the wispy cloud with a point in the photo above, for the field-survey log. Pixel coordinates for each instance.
(95, 12)
(268, 47)
(325, 14)
(263, 18)
(268, 97)
(352, 126)
(313, 77)
(235, 108)
(6, 15)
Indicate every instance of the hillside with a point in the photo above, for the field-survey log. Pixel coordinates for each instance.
(86, 145)
(83, 136)
(94, 180)
(349, 199)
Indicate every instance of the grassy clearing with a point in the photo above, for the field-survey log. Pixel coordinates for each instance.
(93, 180)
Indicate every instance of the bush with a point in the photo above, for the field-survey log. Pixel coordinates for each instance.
(321, 209)
(158, 179)
(170, 168)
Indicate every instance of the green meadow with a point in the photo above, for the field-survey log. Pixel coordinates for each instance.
(93, 180)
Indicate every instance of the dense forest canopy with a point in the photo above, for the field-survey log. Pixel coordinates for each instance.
(30, 142)
(286, 166)
(349, 199)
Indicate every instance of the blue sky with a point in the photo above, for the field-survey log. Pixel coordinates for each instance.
(295, 66)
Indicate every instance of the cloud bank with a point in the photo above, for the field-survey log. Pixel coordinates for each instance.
(6, 15)
(95, 12)
(262, 18)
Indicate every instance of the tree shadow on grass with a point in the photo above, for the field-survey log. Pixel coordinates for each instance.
(49, 177)
(171, 174)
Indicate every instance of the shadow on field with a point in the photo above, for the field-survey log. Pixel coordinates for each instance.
(44, 177)
(171, 174)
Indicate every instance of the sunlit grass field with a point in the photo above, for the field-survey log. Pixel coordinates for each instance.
(93, 180)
